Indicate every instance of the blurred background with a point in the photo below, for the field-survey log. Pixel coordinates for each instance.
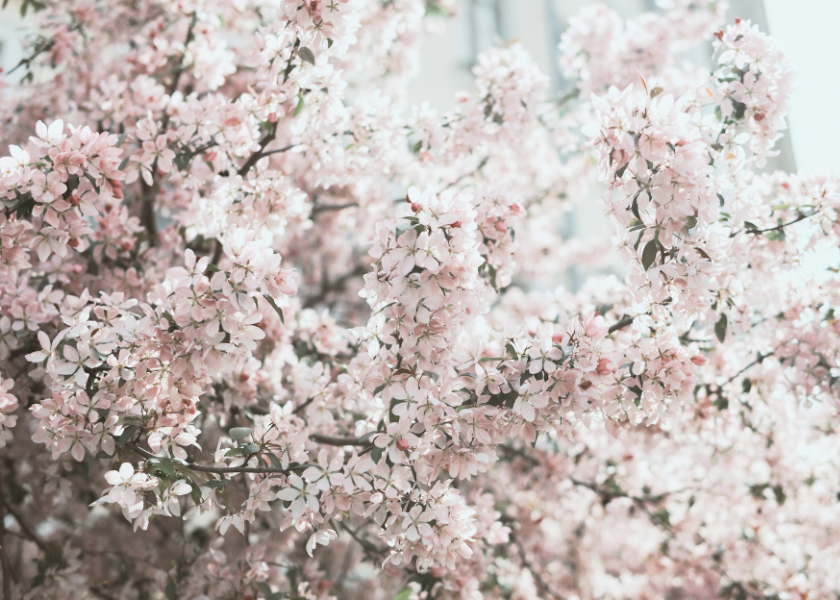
(805, 29)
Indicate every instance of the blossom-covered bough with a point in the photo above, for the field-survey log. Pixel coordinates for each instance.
(266, 330)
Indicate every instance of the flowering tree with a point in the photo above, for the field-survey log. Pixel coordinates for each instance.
(387, 411)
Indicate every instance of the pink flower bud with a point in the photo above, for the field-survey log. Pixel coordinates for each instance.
(699, 360)
(605, 366)
(402, 445)
(500, 226)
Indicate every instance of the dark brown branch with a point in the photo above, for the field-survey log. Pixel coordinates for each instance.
(24, 525)
(758, 360)
(337, 440)
(4, 560)
(173, 87)
(147, 211)
(256, 156)
(217, 470)
(278, 150)
(335, 286)
(626, 321)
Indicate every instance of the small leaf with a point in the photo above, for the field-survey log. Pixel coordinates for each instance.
(720, 198)
(277, 309)
(307, 55)
(649, 254)
(702, 253)
(251, 448)
(165, 465)
(403, 594)
(720, 328)
(620, 172)
(299, 105)
(171, 591)
(237, 433)
(126, 435)
(656, 91)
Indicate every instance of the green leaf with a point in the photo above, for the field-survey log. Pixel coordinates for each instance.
(171, 591)
(216, 484)
(720, 328)
(746, 385)
(307, 55)
(237, 433)
(299, 105)
(277, 309)
(165, 465)
(635, 208)
(275, 462)
(649, 254)
(126, 435)
(620, 172)
(720, 198)
(403, 594)
(376, 454)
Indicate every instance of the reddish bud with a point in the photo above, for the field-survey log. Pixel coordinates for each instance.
(699, 360)
(415, 207)
(243, 377)
(272, 118)
(116, 189)
(456, 224)
(402, 445)
(585, 384)
(759, 117)
(557, 338)
(605, 367)
(73, 242)
(210, 156)
(719, 34)
(737, 21)
(74, 200)
(500, 226)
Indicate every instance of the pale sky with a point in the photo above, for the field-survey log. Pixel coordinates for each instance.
(807, 32)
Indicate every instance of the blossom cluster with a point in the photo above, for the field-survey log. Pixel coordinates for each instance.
(407, 404)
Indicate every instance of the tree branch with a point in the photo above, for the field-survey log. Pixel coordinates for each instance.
(537, 577)
(256, 156)
(626, 321)
(329, 207)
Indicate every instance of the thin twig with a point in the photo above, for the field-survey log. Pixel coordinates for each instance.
(511, 451)
(537, 577)
(27, 529)
(328, 207)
